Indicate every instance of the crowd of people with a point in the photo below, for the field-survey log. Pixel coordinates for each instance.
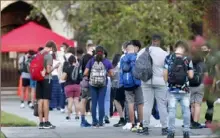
(138, 83)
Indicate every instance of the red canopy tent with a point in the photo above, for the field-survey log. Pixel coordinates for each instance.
(30, 36)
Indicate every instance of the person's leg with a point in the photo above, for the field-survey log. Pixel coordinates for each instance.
(69, 107)
(23, 91)
(130, 98)
(148, 93)
(76, 96)
(62, 98)
(101, 102)
(161, 96)
(39, 96)
(185, 102)
(139, 101)
(107, 101)
(47, 88)
(172, 102)
(94, 95)
(209, 111)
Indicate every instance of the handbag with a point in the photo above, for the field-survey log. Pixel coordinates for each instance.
(85, 82)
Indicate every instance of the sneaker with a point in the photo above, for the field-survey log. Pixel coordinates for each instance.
(30, 105)
(134, 129)
(107, 120)
(48, 125)
(170, 135)
(22, 105)
(67, 118)
(164, 131)
(120, 123)
(62, 110)
(186, 135)
(100, 125)
(144, 131)
(128, 126)
(41, 125)
(85, 124)
(77, 118)
(94, 125)
(88, 113)
(196, 125)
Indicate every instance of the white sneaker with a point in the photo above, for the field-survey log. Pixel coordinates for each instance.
(128, 126)
(22, 105)
(62, 110)
(89, 113)
(158, 125)
(30, 105)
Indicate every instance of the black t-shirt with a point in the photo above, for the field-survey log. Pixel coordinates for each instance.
(69, 80)
(84, 60)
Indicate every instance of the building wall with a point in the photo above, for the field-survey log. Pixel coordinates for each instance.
(59, 26)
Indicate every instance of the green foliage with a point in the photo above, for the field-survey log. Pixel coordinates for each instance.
(110, 23)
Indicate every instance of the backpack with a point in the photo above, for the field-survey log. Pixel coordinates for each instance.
(143, 66)
(198, 75)
(75, 74)
(98, 75)
(177, 74)
(66, 64)
(115, 79)
(155, 111)
(28, 62)
(129, 81)
(23, 67)
(36, 66)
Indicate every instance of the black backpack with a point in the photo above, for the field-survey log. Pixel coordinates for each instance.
(66, 64)
(198, 75)
(177, 75)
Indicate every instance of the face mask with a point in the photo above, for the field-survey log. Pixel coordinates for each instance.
(62, 49)
(51, 52)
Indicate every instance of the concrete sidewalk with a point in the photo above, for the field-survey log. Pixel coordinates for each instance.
(70, 129)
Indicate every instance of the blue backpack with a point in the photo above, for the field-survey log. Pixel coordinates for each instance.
(127, 67)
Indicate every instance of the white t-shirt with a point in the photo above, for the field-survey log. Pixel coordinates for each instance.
(55, 71)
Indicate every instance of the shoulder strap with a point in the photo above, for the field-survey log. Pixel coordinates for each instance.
(64, 57)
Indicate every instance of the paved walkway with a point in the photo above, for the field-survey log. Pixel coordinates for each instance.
(71, 129)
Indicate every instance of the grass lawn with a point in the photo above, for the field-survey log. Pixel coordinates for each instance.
(2, 136)
(10, 120)
(203, 111)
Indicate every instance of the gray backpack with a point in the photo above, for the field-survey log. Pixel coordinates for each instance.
(98, 75)
(115, 78)
(143, 66)
(75, 74)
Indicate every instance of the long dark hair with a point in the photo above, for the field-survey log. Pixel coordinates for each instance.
(116, 59)
(99, 53)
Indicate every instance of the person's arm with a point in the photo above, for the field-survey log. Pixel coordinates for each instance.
(110, 69)
(88, 67)
(165, 72)
(190, 70)
(64, 76)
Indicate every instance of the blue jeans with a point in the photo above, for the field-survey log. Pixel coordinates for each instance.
(107, 98)
(62, 97)
(98, 97)
(184, 99)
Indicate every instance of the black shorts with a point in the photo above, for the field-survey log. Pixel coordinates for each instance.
(119, 94)
(44, 89)
(25, 82)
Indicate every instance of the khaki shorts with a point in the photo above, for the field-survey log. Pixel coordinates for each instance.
(135, 96)
(196, 94)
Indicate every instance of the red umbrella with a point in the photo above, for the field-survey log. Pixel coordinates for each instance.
(30, 36)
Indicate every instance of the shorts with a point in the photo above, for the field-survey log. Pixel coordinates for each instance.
(85, 93)
(25, 82)
(44, 89)
(33, 83)
(196, 94)
(72, 91)
(119, 94)
(135, 96)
